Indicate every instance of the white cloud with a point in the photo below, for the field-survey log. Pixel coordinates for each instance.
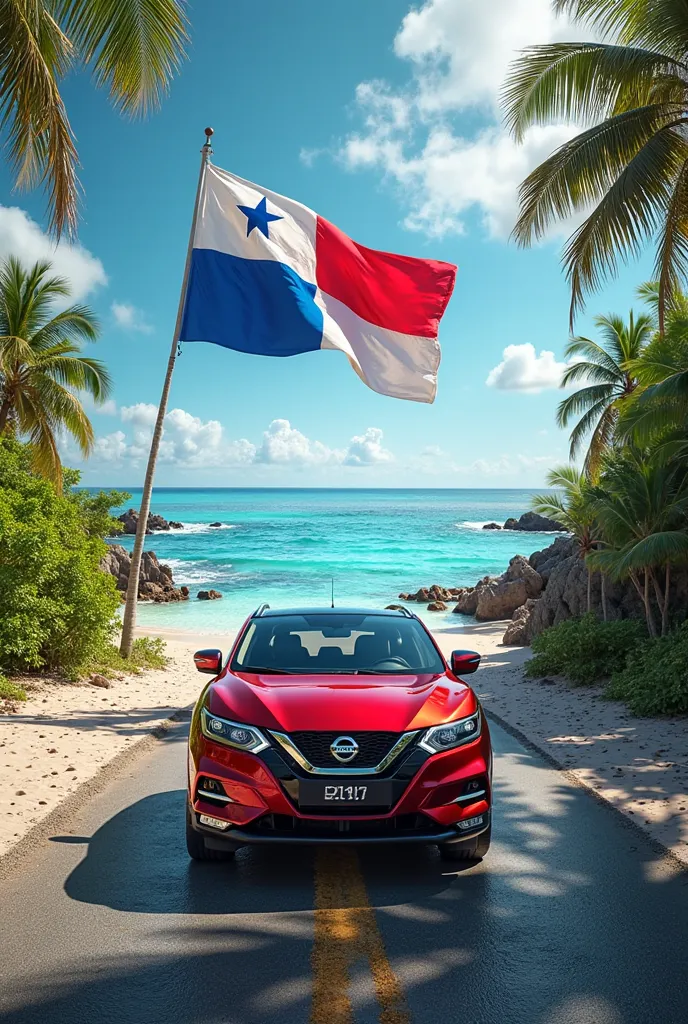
(143, 414)
(459, 52)
(192, 443)
(522, 369)
(367, 449)
(284, 444)
(22, 237)
(130, 318)
(461, 49)
(111, 448)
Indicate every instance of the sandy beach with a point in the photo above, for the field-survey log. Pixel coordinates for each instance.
(65, 734)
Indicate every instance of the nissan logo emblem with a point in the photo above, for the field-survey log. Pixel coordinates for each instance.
(344, 748)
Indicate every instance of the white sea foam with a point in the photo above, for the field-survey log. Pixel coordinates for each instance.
(197, 528)
(473, 526)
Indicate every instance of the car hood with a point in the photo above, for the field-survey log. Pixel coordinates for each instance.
(294, 703)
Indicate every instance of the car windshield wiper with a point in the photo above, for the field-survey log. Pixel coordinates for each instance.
(265, 670)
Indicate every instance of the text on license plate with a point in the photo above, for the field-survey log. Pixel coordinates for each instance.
(345, 794)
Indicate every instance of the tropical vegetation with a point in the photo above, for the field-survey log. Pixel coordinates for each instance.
(131, 47)
(626, 171)
(42, 370)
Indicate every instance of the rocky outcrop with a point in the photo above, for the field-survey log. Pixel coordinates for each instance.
(499, 600)
(531, 522)
(208, 595)
(215, 525)
(491, 526)
(519, 631)
(433, 593)
(155, 580)
(497, 597)
(437, 606)
(155, 523)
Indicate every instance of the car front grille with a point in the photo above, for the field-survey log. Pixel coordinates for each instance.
(399, 826)
(373, 747)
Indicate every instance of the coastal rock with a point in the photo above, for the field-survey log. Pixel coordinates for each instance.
(405, 597)
(437, 606)
(175, 525)
(500, 600)
(215, 525)
(531, 522)
(155, 580)
(519, 631)
(208, 595)
(102, 681)
(130, 520)
(467, 602)
(491, 526)
(548, 558)
(520, 569)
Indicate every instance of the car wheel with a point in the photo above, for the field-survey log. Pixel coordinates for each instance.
(473, 849)
(196, 848)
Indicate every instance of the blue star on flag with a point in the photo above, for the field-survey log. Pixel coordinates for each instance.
(258, 217)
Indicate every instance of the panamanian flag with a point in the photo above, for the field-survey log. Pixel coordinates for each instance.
(271, 277)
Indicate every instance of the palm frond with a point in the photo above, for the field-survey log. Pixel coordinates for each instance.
(628, 215)
(134, 46)
(34, 55)
(583, 400)
(578, 82)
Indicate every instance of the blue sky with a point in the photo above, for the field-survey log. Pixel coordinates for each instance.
(383, 117)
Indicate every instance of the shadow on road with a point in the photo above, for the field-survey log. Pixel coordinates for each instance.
(571, 919)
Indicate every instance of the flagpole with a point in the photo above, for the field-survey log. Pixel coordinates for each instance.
(129, 620)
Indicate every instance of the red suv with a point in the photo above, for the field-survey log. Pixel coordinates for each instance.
(338, 726)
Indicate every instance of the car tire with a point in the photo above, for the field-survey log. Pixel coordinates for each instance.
(196, 848)
(474, 849)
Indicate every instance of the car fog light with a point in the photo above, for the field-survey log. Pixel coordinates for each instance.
(471, 823)
(205, 819)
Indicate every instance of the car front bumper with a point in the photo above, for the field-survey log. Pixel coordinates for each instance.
(261, 798)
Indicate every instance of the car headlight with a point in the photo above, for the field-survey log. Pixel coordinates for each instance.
(444, 737)
(233, 734)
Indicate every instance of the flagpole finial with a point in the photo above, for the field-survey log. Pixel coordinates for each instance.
(208, 133)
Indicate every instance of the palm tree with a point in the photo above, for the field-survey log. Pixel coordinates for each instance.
(41, 368)
(658, 413)
(641, 506)
(605, 366)
(572, 510)
(630, 163)
(132, 47)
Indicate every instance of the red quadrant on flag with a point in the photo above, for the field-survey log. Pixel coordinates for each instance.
(398, 293)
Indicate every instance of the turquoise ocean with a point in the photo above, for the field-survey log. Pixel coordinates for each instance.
(285, 546)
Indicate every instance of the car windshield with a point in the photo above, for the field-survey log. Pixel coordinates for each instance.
(344, 643)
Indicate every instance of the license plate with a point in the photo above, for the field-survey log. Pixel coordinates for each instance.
(345, 794)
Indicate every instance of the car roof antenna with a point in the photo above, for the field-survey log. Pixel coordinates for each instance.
(332, 605)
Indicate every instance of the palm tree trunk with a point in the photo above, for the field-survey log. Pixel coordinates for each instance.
(5, 409)
(589, 590)
(665, 606)
(644, 594)
(652, 628)
(603, 595)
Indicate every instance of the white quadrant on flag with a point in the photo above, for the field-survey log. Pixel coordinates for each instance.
(225, 227)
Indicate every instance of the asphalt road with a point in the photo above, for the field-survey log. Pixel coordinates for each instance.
(571, 919)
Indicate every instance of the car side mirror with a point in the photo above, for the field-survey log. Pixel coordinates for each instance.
(208, 661)
(463, 663)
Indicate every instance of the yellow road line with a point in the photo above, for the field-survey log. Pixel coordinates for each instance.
(346, 931)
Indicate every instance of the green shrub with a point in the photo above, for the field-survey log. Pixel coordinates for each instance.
(147, 652)
(585, 650)
(57, 609)
(655, 678)
(9, 691)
